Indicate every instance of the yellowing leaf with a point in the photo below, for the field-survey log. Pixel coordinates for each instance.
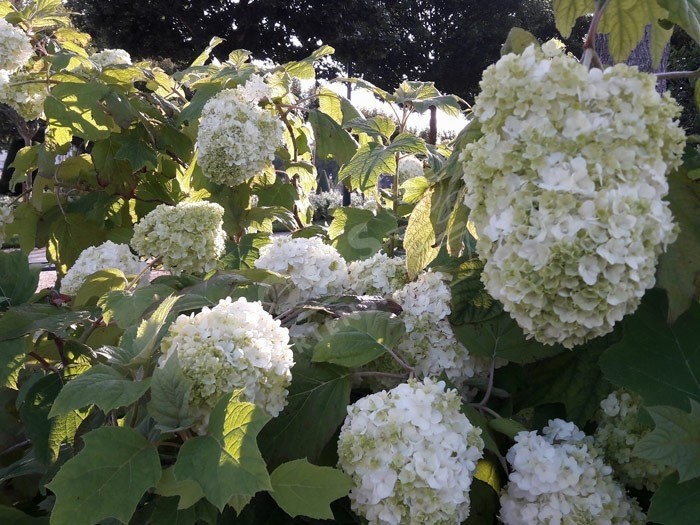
(566, 12)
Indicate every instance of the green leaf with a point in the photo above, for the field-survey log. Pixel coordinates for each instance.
(518, 40)
(18, 281)
(339, 108)
(566, 12)
(502, 337)
(332, 140)
(626, 21)
(46, 432)
(170, 391)
(29, 318)
(470, 301)
(676, 503)
(377, 126)
(137, 152)
(126, 307)
(359, 234)
(151, 331)
(244, 253)
(675, 440)
(679, 268)
(572, 378)
(359, 338)
(303, 489)
(16, 517)
(685, 13)
(98, 284)
(77, 106)
(365, 167)
(188, 491)
(12, 355)
(304, 68)
(658, 361)
(204, 55)
(484, 504)
(227, 461)
(102, 386)
(507, 427)
(106, 479)
(421, 240)
(317, 405)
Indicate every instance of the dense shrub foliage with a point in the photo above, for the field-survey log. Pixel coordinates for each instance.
(499, 328)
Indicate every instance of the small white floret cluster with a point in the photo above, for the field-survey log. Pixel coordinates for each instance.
(619, 430)
(559, 478)
(378, 275)
(409, 167)
(188, 237)
(103, 257)
(236, 345)
(23, 93)
(237, 138)
(566, 190)
(110, 57)
(429, 344)
(411, 454)
(326, 200)
(315, 269)
(7, 216)
(15, 47)
(18, 90)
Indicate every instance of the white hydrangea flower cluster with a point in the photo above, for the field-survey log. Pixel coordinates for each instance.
(378, 275)
(429, 344)
(316, 269)
(103, 257)
(409, 167)
(566, 190)
(110, 57)
(236, 345)
(412, 455)
(619, 430)
(326, 200)
(7, 216)
(559, 478)
(237, 138)
(23, 93)
(189, 237)
(15, 47)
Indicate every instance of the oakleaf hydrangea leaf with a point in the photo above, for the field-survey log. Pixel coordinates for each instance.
(301, 488)
(102, 386)
(106, 479)
(227, 462)
(658, 361)
(675, 441)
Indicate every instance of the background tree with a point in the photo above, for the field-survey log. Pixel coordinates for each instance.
(449, 42)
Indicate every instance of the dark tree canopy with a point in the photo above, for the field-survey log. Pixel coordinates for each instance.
(446, 41)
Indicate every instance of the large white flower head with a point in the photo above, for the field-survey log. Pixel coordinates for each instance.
(619, 430)
(189, 237)
(103, 257)
(566, 190)
(237, 138)
(236, 345)
(110, 57)
(7, 216)
(316, 269)
(409, 167)
(411, 454)
(377, 275)
(15, 47)
(558, 478)
(429, 344)
(24, 93)
(326, 200)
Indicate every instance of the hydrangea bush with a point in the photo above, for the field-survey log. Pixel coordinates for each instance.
(395, 365)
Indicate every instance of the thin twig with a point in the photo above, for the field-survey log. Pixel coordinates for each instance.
(489, 385)
(677, 75)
